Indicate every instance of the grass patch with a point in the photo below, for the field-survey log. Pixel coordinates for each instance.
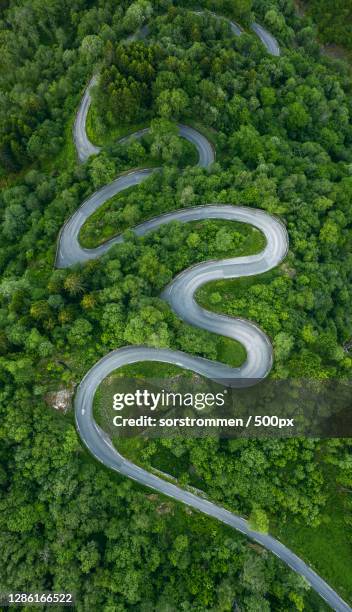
(68, 154)
(230, 290)
(326, 547)
(230, 352)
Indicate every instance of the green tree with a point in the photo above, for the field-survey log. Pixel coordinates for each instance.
(259, 520)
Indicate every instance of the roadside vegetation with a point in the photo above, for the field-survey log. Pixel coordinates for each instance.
(282, 128)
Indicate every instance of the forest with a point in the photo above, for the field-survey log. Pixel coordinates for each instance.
(281, 128)
(334, 21)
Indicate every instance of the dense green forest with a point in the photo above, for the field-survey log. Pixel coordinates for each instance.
(282, 132)
(334, 20)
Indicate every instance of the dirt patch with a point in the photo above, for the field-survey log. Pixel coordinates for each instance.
(291, 272)
(164, 508)
(153, 496)
(60, 400)
(300, 8)
(256, 547)
(330, 49)
(335, 52)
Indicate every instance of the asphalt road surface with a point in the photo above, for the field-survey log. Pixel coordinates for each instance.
(268, 40)
(235, 28)
(69, 250)
(180, 295)
(84, 147)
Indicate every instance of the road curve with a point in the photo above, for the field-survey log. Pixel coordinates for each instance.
(268, 40)
(83, 145)
(180, 292)
(180, 295)
(234, 27)
(86, 149)
(69, 250)
(100, 445)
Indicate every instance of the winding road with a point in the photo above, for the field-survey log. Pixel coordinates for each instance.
(180, 295)
(268, 40)
(83, 145)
